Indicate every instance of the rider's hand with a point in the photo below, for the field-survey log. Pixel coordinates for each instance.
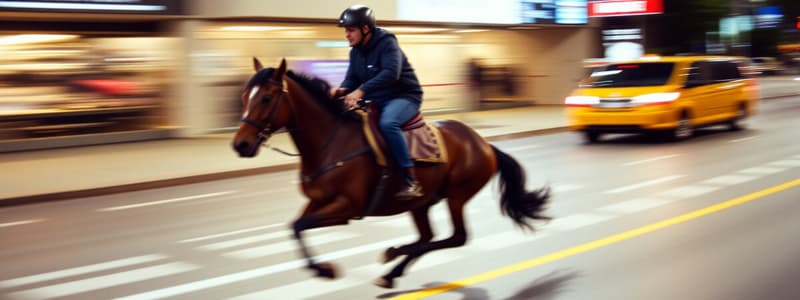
(337, 92)
(351, 99)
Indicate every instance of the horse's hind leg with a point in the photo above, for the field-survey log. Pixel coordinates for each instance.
(458, 239)
(423, 224)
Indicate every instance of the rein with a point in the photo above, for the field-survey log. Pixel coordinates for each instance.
(265, 132)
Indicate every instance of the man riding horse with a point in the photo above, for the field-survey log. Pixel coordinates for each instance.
(380, 71)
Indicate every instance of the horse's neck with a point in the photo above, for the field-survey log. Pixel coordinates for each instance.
(315, 130)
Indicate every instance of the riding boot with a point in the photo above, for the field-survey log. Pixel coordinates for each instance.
(411, 187)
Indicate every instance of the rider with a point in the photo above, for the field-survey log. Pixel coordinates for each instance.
(379, 71)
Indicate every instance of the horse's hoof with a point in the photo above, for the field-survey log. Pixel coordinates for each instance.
(326, 270)
(384, 283)
(389, 255)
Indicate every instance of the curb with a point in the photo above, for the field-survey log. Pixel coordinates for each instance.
(161, 183)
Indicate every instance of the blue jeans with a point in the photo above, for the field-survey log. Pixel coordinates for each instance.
(394, 113)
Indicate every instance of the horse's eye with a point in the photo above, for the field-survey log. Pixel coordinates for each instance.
(266, 98)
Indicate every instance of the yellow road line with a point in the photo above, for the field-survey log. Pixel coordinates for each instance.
(597, 243)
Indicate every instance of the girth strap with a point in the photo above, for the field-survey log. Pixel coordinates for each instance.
(339, 163)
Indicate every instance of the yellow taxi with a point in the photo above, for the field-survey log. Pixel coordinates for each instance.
(670, 96)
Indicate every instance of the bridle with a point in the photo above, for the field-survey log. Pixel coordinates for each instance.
(265, 130)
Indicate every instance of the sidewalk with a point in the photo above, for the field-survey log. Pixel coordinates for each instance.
(56, 174)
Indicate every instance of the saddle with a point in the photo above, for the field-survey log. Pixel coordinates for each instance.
(425, 142)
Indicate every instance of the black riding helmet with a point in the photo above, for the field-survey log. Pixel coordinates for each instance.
(357, 15)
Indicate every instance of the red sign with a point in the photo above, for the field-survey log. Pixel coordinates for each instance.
(613, 8)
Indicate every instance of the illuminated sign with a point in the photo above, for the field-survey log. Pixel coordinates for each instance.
(98, 6)
(614, 8)
(568, 12)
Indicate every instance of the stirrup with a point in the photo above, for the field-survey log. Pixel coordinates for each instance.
(411, 190)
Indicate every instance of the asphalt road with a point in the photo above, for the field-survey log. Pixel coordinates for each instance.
(714, 217)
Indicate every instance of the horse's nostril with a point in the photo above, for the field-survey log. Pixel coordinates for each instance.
(241, 146)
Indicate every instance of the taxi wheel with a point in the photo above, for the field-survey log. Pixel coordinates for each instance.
(591, 136)
(737, 123)
(684, 129)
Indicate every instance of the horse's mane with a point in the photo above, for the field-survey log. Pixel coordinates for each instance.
(316, 87)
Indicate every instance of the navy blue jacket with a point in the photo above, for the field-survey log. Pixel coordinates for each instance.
(381, 70)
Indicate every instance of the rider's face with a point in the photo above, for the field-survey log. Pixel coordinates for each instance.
(353, 35)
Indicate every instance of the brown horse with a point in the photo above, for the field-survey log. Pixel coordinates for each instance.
(339, 172)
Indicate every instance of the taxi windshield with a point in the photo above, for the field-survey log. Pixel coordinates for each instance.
(630, 75)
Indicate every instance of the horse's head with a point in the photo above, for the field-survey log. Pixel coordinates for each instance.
(266, 108)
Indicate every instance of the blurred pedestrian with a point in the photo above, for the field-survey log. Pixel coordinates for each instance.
(475, 81)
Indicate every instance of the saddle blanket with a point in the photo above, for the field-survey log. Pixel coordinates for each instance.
(425, 143)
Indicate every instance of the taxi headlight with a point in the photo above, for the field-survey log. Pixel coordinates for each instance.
(581, 100)
(656, 98)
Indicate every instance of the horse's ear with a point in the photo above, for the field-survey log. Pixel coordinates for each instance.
(281, 70)
(257, 64)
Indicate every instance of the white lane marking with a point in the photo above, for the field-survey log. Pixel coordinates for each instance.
(633, 206)
(728, 179)
(246, 240)
(2, 225)
(80, 270)
(638, 162)
(762, 170)
(643, 184)
(560, 188)
(218, 235)
(576, 221)
(519, 148)
(101, 282)
(689, 191)
(742, 139)
(786, 163)
(260, 272)
(181, 199)
(275, 248)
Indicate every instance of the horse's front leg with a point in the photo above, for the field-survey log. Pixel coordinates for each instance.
(333, 213)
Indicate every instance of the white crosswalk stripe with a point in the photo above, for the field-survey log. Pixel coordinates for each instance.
(729, 179)
(246, 240)
(126, 262)
(689, 191)
(635, 205)
(643, 184)
(105, 281)
(286, 246)
(786, 163)
(762, 170)
(576, 221)
(224, 234)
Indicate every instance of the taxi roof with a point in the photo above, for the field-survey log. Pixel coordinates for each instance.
(652, 59)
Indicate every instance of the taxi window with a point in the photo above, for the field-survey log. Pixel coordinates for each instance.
(628, 75)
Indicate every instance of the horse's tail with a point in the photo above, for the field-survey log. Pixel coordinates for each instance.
(517, 203)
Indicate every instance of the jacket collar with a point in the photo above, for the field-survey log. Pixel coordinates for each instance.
(377, 35)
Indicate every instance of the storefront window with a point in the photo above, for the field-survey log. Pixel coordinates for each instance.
(58, 85)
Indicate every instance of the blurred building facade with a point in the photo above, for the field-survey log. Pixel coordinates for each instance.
(170, 69)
